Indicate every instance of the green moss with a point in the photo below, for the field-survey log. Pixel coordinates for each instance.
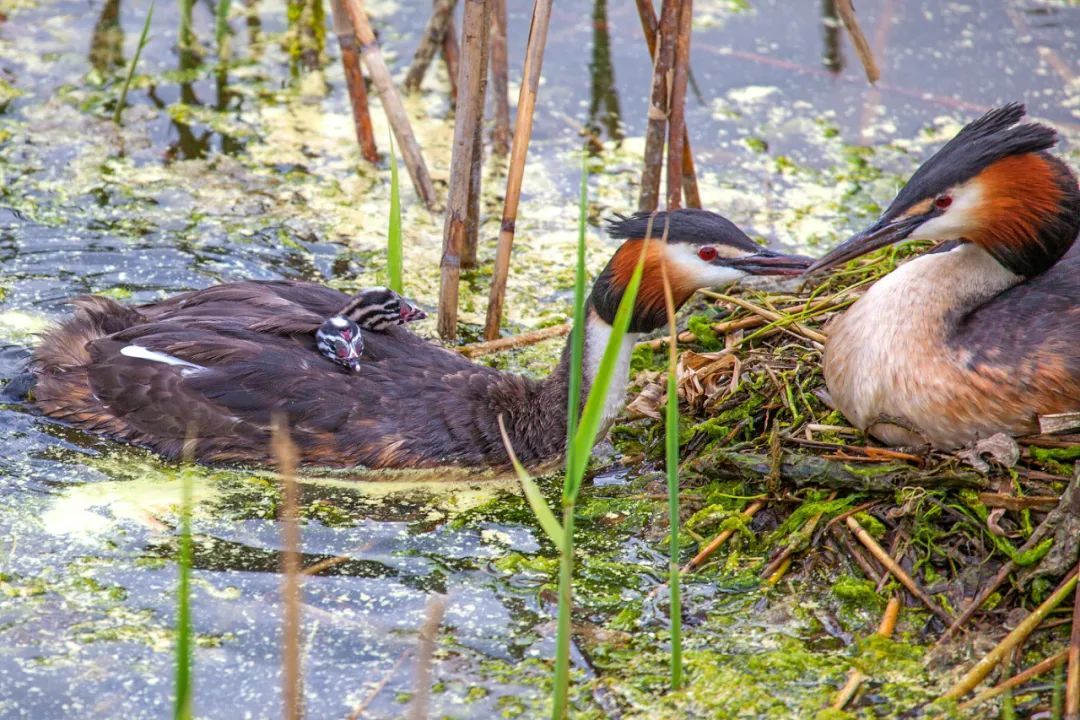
(702, 328)
(858, 593)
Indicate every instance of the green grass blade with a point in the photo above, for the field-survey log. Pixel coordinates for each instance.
(539, 505)
(561, 682)
(183, 706)
(593, 414)
(671, 431)
(394, 263)
(131, 68)
(577, 338)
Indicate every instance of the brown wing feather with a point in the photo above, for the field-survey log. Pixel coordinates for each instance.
(1026, 341)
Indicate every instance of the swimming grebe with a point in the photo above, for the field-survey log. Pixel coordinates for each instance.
(222, 361)
(983, 335)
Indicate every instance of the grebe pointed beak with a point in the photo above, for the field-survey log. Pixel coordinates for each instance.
(883, 232)
(769, 262)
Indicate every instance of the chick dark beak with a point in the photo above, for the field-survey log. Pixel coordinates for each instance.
(410, 312)
(882, 233)
(354, 363)
(768, 262)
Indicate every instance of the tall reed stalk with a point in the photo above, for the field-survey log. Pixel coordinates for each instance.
(131, 68)
(394, 263)
(581, 434)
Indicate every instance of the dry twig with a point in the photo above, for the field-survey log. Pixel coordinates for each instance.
(892, 566)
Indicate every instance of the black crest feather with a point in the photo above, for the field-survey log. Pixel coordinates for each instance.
(687, 225)
(980, 144)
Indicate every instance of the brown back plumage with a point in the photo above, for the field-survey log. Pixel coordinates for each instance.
(413, 405)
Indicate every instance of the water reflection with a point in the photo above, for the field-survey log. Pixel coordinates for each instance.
(833, 59)
(604, 114)
(107, 40)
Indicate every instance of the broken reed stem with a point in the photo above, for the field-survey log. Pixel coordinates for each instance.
(451, 54)
(285, 457)
(691, 194)
(476, 167)
(469, 116)
(391, 102)
(663, 59)
(500, 80)
(1016, 680)
(720, 539)
(856, 677)
(514, 342)
(519, 149)
(892, 566)
(425, 649)
(981, 669)
(354, 81)
(846, 10)
(430, 42)
(1072, 682)
(677, 106)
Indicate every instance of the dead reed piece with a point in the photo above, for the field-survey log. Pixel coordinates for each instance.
(846, 10)
(663, 61)
(354, 81)
(430, 42)
(470, 114)
(530, 85)
(391, 102)
(292, 678)
(500, 80)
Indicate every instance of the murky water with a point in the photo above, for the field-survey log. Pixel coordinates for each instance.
(249, 170)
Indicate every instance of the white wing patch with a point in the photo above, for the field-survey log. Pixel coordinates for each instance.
(141, 353)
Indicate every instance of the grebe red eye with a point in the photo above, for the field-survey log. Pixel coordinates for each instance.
(707, 253)
(943, 202)
(342, 351)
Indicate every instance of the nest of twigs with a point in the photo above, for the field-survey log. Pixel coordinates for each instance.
(977, 539)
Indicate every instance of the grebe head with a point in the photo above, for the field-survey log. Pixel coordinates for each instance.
(993, 185)
(340, 340)
(378, 308)
(702, 249)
